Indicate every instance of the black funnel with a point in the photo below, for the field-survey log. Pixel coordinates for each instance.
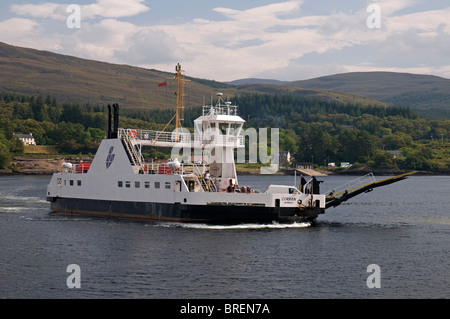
(109, 121)
(116, 121)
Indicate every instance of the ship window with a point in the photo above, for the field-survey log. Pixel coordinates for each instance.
(234, 128)
(157, 184)
(78, 182)
(223, 127)
(71, 182)
(137, 184)
(167, 185)
(147, 184)
(120, 184)
(127, 184)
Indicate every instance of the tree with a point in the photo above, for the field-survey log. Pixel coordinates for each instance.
(382, 159)
(17, 146)
(5, 156)
(396, 141)
(315, 143)
(356, 145)
(288, 141)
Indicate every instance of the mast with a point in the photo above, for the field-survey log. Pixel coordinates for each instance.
(179, 115)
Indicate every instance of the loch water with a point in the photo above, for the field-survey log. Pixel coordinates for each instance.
(403, 228)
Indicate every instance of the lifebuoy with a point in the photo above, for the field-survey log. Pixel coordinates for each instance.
(133, 133)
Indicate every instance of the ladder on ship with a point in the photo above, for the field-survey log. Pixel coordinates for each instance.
(135, 156)
(206, 187)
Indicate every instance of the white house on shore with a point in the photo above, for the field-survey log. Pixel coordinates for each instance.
(27, 139)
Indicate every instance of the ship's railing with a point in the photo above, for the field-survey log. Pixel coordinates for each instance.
(161, 136)
(81, 168)
(164, 168)
(356, 183)
(219, 110)
(171, 138)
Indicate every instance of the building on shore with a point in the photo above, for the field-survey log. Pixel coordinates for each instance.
(27, 139)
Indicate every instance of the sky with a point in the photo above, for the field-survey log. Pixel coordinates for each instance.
(230, 40)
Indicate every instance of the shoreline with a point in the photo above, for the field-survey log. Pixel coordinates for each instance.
(23, 165)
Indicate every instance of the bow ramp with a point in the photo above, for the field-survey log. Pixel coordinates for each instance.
(360, 185)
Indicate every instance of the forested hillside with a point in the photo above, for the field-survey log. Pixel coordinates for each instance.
(323, 132)
(428, 95)
(311, 129)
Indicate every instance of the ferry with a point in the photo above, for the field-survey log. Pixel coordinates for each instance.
(120, 183)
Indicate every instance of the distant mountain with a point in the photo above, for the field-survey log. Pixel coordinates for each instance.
(256, 81)
(326, 95)
(429, 95)
(71, 79)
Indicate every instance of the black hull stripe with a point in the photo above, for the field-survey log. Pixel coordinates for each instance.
(179, 212)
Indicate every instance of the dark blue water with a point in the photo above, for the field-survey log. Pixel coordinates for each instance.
(404, 228)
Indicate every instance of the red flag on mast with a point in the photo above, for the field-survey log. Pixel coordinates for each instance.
(162, 83)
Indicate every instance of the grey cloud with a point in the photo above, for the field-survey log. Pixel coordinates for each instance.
(151, 47)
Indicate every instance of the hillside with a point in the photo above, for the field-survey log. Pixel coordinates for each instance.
(257, 81)
(320, 94)
(66, 78)
(424, 93)
(70, 79)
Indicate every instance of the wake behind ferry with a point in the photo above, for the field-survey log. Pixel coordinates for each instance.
(119, 183)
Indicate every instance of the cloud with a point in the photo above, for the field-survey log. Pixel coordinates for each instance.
(27, 33)
(274, 40)
(263, 14)
(280, 44)
(114, 8)
(100, 8)
(150, 46)
(17, 26)
(123, 42)
(389, 7)
(101, 41)
(44, 10)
